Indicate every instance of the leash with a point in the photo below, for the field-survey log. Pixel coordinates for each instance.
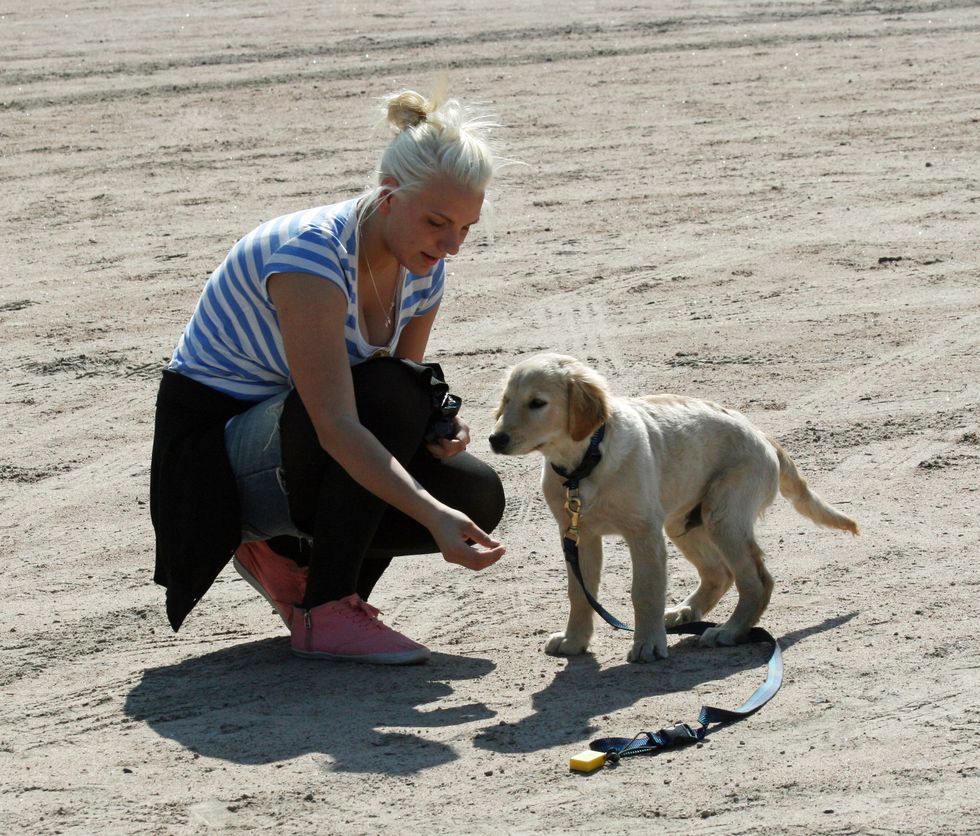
(612, 749)
(573, 507)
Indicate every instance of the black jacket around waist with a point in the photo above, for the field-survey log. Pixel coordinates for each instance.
(193, 495)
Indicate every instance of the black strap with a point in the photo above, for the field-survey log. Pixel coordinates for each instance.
(570, 547)
(681, 734)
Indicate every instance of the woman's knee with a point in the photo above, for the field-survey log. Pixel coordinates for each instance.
(465, 483)
(489, 503)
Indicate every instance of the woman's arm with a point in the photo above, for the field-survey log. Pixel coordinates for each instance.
(311, 316)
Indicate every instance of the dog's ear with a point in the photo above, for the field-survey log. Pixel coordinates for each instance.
(588, 401)
(500, 407)
(504, 394)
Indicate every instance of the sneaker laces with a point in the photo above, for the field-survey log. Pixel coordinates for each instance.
(361, 610)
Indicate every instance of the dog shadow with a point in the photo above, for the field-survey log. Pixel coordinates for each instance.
(566, 708)
(253, 704)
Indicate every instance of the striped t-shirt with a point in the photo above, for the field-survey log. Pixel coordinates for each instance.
(233, 342)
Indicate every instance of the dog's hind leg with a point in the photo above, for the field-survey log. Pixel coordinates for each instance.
(729, 510)
(714, 577)
(578, 631)
(754, 583)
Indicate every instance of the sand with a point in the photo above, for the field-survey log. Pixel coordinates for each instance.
(774, 206)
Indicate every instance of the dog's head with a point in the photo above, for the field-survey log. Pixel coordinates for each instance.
(549, 400)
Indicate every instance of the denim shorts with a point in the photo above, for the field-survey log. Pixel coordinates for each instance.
(252, 440)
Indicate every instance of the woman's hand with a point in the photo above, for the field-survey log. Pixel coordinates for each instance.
(444, 448)
(462, 541)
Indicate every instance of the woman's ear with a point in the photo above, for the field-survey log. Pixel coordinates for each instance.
(388, 188)
(588, 402)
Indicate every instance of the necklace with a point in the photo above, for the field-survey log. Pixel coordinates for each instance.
(388, 312)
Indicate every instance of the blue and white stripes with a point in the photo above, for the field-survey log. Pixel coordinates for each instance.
(233, 343)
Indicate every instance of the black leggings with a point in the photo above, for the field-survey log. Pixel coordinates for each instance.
(355, 533)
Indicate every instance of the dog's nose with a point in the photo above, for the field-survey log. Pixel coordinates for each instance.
(499, 442)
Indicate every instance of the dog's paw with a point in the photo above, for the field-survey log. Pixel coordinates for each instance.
(723, 636)
(680, 615)
(558, 645)
(647, 651)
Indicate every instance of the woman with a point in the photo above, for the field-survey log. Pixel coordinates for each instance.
(296, 410)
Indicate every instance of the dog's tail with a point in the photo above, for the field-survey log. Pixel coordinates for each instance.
(806, 502)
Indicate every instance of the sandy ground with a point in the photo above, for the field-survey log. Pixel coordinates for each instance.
(771, 205)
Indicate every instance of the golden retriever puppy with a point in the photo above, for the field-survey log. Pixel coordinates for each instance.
(694, 469)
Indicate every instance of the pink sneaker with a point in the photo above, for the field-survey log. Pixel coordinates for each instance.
(276, 578)
(349, 630)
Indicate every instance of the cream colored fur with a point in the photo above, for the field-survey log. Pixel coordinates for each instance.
(695, 470)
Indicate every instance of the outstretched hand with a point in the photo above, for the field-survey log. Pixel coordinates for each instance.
(462, 541)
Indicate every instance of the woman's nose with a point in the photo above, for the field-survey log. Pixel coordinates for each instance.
(450, 243)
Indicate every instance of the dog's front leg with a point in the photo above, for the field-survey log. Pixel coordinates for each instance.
(649, 591)
(578, 631)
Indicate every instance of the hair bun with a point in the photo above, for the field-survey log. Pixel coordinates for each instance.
(408, 109)
(434, 136)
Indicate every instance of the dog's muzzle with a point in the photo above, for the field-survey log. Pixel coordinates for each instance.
(499, 442)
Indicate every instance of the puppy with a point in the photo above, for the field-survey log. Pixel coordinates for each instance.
(695, 470)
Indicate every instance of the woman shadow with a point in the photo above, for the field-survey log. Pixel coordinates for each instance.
(253, 704)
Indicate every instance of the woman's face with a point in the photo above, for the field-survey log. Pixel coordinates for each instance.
(424, 226)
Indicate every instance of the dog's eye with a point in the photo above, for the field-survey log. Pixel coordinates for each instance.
(537, 403)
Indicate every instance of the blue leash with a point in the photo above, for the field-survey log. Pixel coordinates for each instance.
(682, 734)
(570, 547)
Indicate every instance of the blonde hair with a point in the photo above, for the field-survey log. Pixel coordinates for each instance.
(434, 137)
